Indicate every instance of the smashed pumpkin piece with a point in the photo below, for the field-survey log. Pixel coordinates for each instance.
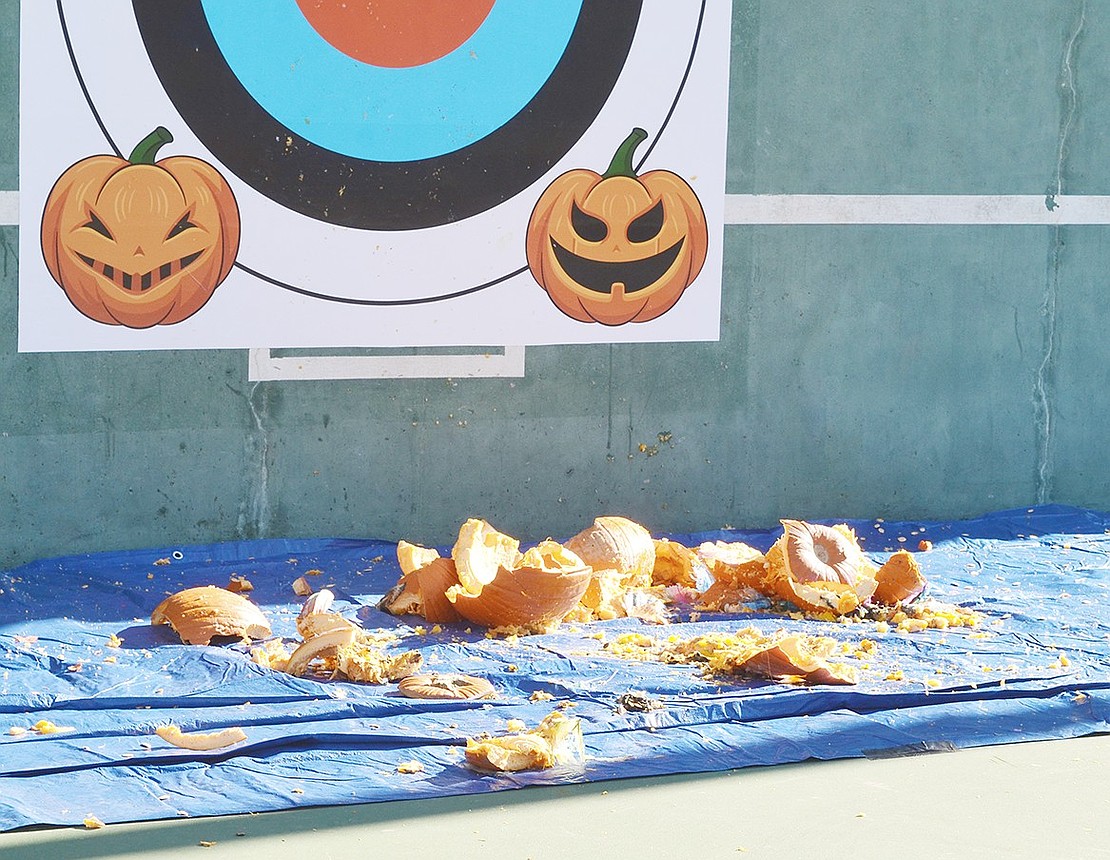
(617, 543)
(739, 573)
(735, 562)
(425, 578)
(543, 587)
(412, 557)
(602, 598)
(272, 654)
(819, 568)
(317, 618)
(556, 741)
(790, 658)
(335, 644)
(480, 552)
(924, 615)
(323, 645)
(361, 661)
(199, 615)
(446, 685)
(300, 587)
(423, 591)
(899, 580)
(676, 564)
(172, 734)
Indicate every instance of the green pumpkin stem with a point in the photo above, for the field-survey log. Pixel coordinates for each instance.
(147, 149)
(621, 164)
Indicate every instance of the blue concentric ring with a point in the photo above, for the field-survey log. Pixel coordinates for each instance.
(392, 114)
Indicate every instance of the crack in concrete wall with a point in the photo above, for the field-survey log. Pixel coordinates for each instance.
(254, 510)
(1044, 379)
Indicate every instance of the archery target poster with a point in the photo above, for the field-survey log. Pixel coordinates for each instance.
(380, 173)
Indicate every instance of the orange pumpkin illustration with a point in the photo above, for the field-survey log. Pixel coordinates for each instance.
(617, 248)
(137, 242)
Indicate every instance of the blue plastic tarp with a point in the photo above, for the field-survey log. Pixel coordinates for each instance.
(1037, 667)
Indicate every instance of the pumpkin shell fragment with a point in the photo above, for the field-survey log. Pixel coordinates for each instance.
(791, 656)
(422, 592)
(437, 685)
(617, 543)
(544, 590)
(899, 580)
(199, 615)
(480, 551)
(557, 740)
(171, 734)
(819, 568)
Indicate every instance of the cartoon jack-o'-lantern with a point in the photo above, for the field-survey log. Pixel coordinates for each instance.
(617, 248)
(137, 242)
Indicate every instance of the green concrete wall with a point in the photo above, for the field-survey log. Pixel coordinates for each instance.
(895, 371)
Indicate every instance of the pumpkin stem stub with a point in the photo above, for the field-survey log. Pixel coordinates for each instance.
(146, 149)
(621, 164)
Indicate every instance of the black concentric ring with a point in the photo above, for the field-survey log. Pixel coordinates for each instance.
(376, 195)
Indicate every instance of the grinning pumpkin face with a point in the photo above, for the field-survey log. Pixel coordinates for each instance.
(617, 248)
(138, 243)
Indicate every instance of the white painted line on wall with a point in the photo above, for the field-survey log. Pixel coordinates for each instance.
(740, 209)
(265, 367)
(923, 209)
(9, 208)
(770, 209)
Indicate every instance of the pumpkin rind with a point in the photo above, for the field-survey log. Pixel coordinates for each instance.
(819, 568)
(617, 543)
(198, 615)
(524, 597)
(900, 579)
(446, 685)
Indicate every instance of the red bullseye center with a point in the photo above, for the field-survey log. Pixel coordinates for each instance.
(396, 33)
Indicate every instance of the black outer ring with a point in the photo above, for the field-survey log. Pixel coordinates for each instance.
(378, 195)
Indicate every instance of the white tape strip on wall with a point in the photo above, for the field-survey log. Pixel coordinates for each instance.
(740, 209)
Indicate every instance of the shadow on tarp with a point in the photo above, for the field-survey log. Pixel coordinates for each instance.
(125, 586)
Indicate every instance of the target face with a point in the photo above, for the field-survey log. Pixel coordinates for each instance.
(385, 158)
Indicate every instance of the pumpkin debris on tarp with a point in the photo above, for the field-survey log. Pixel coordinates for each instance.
(340, 649)
(557, 740)
(899, 579)
(445, 685)
(239, 584)
(336, 646)
(173, 735)
(488, 581)
(676, 564)
(423, 591)
(360, 660)
(748, 652)
(614, 543)
(199, 615)
(537, 592)
(819, 568)
(738, 572)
